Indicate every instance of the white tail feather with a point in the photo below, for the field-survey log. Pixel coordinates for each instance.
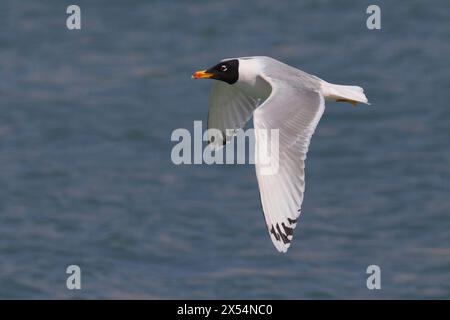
(335, 92)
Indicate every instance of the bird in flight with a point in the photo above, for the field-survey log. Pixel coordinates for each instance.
(279, 97)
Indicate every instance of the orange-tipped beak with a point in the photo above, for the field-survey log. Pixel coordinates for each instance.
(201, 75)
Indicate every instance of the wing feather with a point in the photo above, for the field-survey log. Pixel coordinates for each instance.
(295, 112)
(229, 108)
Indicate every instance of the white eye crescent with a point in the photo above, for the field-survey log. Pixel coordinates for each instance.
(223, 68)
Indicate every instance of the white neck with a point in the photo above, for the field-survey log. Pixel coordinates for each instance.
(250, 81)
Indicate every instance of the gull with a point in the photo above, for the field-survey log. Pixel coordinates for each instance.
(281, 97)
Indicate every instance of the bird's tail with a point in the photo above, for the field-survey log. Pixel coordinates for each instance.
(351, 94)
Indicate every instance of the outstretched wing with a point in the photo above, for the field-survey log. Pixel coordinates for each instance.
(295, 113)
(229, 108)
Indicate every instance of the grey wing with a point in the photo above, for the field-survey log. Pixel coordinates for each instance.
(229, 108)
(295, 112)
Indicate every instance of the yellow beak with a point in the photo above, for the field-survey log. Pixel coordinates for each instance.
(201, 75)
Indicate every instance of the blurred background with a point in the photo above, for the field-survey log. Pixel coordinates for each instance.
(86, 176)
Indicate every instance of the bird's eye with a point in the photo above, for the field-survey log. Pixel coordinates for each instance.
(223, 68)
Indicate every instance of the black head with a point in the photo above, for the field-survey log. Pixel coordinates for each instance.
(227, 71)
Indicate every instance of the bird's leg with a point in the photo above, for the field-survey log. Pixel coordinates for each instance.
(353, 102)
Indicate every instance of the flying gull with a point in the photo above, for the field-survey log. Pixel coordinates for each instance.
(279, 97)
